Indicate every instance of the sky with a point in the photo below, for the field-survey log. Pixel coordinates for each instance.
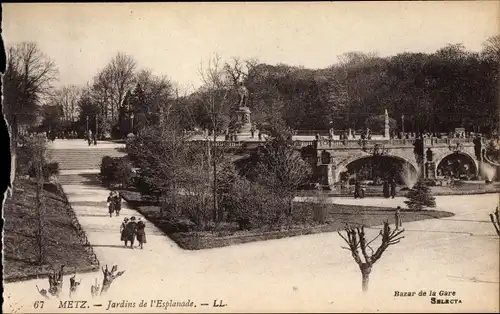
(172, 39)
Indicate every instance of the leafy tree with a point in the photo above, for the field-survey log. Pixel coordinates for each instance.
(420, 196)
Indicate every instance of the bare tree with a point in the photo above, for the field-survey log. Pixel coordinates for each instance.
(495, 220)
(67, 98)
(158, 93)
(358, 245)
(36, 150)
(216, 101)
(122, 71)
(27, 82)
(491, 47)
(110, 86)
(238, 70)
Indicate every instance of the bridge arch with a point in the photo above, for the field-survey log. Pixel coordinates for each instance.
(392, 165)
(463, 157)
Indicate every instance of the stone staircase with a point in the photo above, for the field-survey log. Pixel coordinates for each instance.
(81, 165)
(82, 159)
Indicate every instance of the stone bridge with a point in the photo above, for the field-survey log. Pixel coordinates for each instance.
(331, 157)
(423, 156)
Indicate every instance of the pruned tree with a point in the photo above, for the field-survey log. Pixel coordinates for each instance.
(73, 285)
(56, 282)
(361, 250)
(43, 293)
(109, 277)
(94, 289)
(495, 220)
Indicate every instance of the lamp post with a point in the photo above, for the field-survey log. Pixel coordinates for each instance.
(132, 122)
(403, 124)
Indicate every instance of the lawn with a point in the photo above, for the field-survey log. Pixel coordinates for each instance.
(228, 234)
(64, 244)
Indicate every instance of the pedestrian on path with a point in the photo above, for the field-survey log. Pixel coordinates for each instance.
(393, 188)
(397, 218)
(141, 233)
(118, 202)
(123, 226)
(130, 231)
(111, 201)
(89, 137)
(386, 189)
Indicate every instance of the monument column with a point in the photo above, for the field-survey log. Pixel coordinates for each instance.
(386, 125)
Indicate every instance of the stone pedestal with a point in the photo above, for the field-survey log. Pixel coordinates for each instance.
(243, 120)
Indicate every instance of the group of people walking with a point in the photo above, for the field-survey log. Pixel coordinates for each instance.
(130, 230)
(114, 203)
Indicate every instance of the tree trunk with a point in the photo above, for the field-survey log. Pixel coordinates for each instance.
(365, 274)
(39, 206)
(214, 161)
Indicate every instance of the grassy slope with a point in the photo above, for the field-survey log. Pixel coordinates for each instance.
(64, 244)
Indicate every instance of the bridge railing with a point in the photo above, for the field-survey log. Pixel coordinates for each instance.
(391, 142)
(356, 143)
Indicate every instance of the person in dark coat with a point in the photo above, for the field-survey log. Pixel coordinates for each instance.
(393, 188)
(118, 202)
(130, 231)
(357, 189)
(122, 230)
(386, 189)
(111, 204)
(141, 233)
(397, 218)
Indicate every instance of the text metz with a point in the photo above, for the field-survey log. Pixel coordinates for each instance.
(73, 304)
(219, 304)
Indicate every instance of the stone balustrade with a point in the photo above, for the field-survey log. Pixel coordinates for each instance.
(356, 143)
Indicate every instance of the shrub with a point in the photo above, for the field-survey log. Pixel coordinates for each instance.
(420, 196)
(116, 170)
(26, 153)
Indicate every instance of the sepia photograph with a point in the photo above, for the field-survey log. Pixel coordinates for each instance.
(230, 157)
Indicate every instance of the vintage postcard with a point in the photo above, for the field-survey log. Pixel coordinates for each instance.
(252, 157)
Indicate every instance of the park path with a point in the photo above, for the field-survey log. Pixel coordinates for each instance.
(305, 274)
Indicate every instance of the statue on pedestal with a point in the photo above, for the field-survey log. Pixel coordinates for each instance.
(243, 93)
(243, 112)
